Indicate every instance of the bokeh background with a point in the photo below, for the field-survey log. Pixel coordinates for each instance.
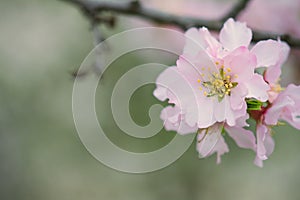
(43, 42)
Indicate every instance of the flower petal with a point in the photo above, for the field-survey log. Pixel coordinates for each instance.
(237, 96)
(206, 113)
(188, 69)
(221, 148)
(273, 114)
(199, 39)
(174, 120)
(286, 107)
(243, 138)
(261, 132)
(191, 66)
(258, 162)
(171, 84)
(257, 88)
(267, 52)
(293, 118)
(265, 144)
(242, 121)
(207, 139)
(241, 63)
(224, 112)
(235, 34)
(195, 40)
(272, 74)
(220, 108)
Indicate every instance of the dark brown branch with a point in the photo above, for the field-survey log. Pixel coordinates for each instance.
(293, 42)
(136, 9)
(92, 8)
(236, 10)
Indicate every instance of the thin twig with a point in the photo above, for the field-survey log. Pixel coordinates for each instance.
(135, 8)
(98, 38)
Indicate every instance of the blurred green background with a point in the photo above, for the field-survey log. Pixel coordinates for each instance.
(42, 43)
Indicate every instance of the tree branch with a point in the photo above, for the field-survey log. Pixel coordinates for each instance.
(92, 8)
(236, 10)
(134, 8)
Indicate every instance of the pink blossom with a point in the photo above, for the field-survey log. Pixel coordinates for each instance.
(215, 77)
(209, 85)
(285, 107)
(282, 105)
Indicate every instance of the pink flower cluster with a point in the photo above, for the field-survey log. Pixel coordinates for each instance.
(217, 85)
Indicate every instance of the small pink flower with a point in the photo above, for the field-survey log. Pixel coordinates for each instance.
(285, 107)
(210, 86)
(211, 79)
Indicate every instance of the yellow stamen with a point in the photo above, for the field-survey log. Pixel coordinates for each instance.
(228, 69)
(217, 84)
(217, 75)
(277, 88)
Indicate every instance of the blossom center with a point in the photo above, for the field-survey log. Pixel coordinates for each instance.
(277, 88)
(218, 84)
